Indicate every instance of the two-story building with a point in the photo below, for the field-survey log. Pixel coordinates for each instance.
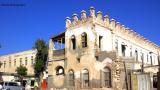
(11, 61)
(98, 52)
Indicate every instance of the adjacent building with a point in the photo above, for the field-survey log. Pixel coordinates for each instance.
(98, 52)
(11, 61)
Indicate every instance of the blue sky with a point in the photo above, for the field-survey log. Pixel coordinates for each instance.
(20, 26)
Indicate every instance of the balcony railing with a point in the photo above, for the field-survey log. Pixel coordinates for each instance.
(59, 54)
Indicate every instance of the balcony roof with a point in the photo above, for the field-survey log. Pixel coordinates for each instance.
(58, 36)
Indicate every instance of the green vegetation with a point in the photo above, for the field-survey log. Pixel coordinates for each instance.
(21, 72)
(41, 57)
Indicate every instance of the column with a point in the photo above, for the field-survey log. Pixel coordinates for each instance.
(51, 48)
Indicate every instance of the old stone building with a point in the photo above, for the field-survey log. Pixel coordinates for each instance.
(11, 61)
(98, 52)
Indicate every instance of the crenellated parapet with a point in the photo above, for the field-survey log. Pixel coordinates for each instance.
(108, 23)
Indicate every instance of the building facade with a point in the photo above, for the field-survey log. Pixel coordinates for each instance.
(11, 61)
(97, 52)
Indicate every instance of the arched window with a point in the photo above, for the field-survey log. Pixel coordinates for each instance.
(85, 78)
(84, 39)
(73, 39)
(71, 78)
(106, 77)
(59, 70)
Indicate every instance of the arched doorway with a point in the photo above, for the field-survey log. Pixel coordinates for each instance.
(106, 77)
(59, 70)
(85, 78)
(71, 78)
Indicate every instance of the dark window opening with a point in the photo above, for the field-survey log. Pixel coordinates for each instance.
(1, 64)
(32, 82)
(97, 58)
(100, 41)
(123, 50)
(78, 60)
(73, 42)
(155, 82)
(9, 63)
(84, 40)
(151, 60)
(14, 62)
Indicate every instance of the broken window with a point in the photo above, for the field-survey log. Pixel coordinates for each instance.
(73, 39)
(59, 70)
(84, 40)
